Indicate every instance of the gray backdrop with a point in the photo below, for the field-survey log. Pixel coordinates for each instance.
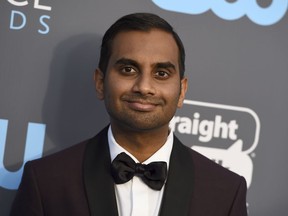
(235, 112)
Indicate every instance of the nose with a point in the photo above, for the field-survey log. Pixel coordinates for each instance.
(144, 84)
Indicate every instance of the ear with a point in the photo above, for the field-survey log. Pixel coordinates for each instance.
(184, 87)
(99, 83)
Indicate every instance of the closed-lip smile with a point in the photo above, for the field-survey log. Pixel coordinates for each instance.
(140, 105)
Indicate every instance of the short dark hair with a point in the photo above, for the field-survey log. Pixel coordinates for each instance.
(138, 22)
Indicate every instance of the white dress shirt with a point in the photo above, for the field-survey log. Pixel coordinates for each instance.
(135, 198)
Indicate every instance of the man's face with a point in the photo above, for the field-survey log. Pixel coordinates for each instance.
(142, 87)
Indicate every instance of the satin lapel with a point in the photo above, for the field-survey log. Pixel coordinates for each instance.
(179, 186)
(98, 182)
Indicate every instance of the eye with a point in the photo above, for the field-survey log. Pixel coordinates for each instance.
(127, 70)
(162, 74)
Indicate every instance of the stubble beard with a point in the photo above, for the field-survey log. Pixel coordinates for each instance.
(139, 121)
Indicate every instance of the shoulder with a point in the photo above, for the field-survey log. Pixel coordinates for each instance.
(69, 157)
(55, 165)
(216, 185)
(71, 154)
(207, 173)
(205, 168)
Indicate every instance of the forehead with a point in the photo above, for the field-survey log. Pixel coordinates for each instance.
(153, 45)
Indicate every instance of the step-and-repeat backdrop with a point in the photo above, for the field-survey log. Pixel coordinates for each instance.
(235, 112)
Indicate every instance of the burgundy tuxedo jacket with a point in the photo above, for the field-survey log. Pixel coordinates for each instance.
(77, 182)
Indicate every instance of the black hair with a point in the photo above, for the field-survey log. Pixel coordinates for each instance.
(138, 22)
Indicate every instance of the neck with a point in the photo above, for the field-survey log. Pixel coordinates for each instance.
(141, 144)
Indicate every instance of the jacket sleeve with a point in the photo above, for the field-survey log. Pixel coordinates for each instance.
(239, 207)
(27, 200)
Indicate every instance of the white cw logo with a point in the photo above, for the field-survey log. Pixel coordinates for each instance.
(221, 134)
(229, 10)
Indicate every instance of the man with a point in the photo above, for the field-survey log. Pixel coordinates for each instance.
(141, 80)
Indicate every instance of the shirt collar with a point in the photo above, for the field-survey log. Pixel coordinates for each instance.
(163, 154)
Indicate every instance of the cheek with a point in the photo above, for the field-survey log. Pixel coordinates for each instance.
(114, 88)
(173, 94)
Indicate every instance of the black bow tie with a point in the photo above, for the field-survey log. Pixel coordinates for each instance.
(124, 168)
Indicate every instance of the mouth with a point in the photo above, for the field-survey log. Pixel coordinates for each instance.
(142, 105)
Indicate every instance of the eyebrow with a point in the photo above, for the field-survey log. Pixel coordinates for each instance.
(126, 61)
(165, 65)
